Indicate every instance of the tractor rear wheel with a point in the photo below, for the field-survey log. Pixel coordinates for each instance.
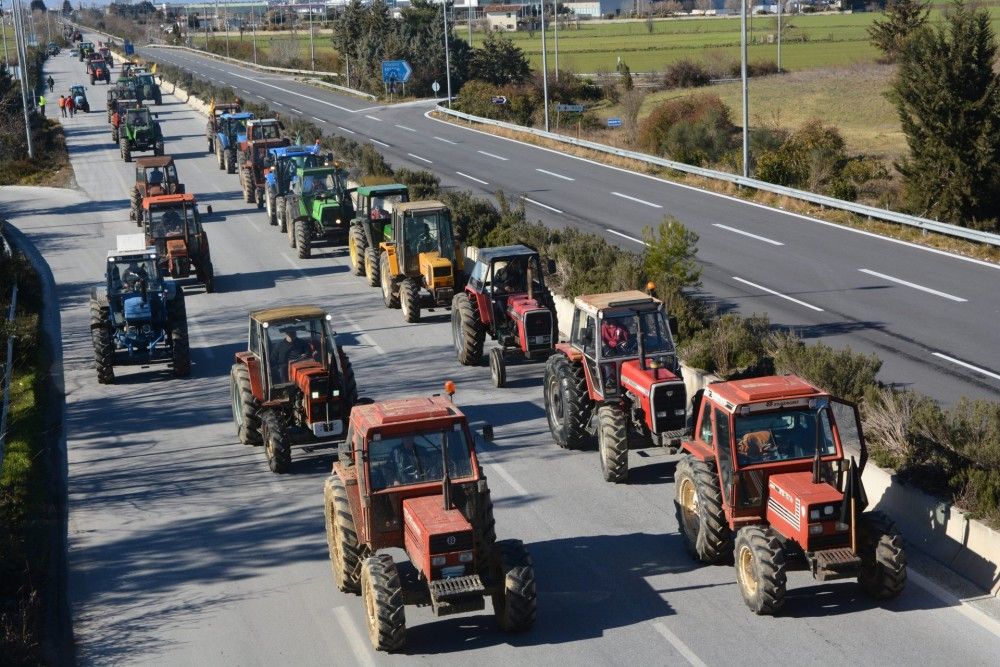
(350, 388)
(700, 515)
(612, 443)
(180, 350)
(247, 187)
(382, 593)
(356, 245)
(467, 330)
(390, 290)
(211, 145)
(126, 150)
(409, 297)
(760, 569)
(272, 212)
(135, 212)
(303, 238)
(341, 536)
(218, 156)
(104, 346)
(883, 560)
(206, 277)
(498, 368)
(230, 160)
(567, 404)
(114, 134)
(259, 198)
(276, 446)
(515, 606)
(372, 266)
(245, 408)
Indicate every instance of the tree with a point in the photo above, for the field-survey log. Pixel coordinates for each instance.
(499, 61)
(948, 99)
(38, 6)
(67, 8)
(670, 259)
(902, 19)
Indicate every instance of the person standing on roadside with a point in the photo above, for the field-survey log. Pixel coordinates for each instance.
(70, 105)
(62, 106)
(41, 104)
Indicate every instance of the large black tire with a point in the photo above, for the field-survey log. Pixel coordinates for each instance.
(219, 157)
(291, 212)
(883, 559)
(356, 245)
(467, 330)
(372, 268)
(279, 212)
(246, 415)
(126, 150)
(612, 443)
(516, 605)
(272, 212)
(135, 206)
(211, 145)
(760, 569)
(498, 368)
(700, 515)
(382, 593)
(180, 349)
(390, 289)
(247, 182)
(207, 277)
(114, 134)
(104, 345)
(158, 147)
(409, 299)
(259, 197)
(567, 403)
(230, 160)
(276, 446)
(341, 536)
(303, 238)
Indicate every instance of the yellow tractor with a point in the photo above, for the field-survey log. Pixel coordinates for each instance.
(420, 252)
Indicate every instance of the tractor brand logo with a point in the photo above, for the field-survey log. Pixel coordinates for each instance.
(781, 492)
(451, 540)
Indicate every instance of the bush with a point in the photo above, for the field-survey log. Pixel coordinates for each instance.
(696, 130)
(844, 373)
(422, 183)
(731, 346)
(669, 260)
(686, 74)
(476, 98)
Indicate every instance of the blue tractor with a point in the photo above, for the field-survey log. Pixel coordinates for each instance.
(232, 132)
(282, 166)
(138, 316)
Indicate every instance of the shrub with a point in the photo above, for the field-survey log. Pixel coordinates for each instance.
(730, 346)
(476, 98)
(423, 184)
(588, 264)
(696, 129)
(844, 373)
(686, 73)
(669, 260)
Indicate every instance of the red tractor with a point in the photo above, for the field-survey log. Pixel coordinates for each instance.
(153, 176)
(294, 386)
(765, 480)
(173, 225)
(506, 298)
(621, 364)
(253, 169)
(407, 477)
(98, 69)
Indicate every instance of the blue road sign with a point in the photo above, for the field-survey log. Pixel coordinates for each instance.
(499, 99)
(614, 122)
(570, 108)
(396, 71)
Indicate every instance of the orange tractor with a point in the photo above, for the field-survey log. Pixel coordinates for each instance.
(173, 226)
(153, 176)
(619, 367)
(765, 480)
(407, 477)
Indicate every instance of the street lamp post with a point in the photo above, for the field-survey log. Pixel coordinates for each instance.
(746, 95)
(22, 58)
(545, 70)
(555, 29)
(312, 46)
(3, 29)
(226, 19)
(447, 58)
(779, 36)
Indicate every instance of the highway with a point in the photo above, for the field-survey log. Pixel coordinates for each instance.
(184, 549)
(930, 316)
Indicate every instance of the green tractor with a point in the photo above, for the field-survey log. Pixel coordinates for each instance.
(368, 228)
(318, 207)
(139, 132)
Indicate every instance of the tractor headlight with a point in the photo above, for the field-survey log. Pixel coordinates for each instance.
(336, 392)
(814, 514)
(315, 395)
(842, 527)
(465, 557)
(438, 561)
(338, 221)
(816, 529)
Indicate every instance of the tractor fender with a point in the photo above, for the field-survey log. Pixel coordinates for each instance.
(571, 352)
(253, 370)
(482, 304)
(390, 250)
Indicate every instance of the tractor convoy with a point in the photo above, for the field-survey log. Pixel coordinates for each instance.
(766, 477)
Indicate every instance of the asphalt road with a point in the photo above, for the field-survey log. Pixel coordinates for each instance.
(184, 549)
(930, 316)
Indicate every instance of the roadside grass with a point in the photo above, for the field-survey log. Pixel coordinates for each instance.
(50, 167)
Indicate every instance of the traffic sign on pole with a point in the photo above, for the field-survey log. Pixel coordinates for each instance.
(396, 70)
(435, 87)
(570, 108)
(614, 122)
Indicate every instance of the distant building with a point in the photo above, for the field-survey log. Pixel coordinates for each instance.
(504, 17)
(600, 8)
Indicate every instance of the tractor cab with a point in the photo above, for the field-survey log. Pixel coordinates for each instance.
(79, 94)
(106, 54)
(157, 176)
(173, 226)
(233, 127)
(147, 87)
(132, 273)
(372, 225)
(214, 113)
(285, 161)
(263, 128)
(255, 160)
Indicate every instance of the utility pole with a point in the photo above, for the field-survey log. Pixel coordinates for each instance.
(22, 57)
(447, 58)
(545, 70)
(3, 29)
(312, 45)
(226, 19)
(779, 36)
(746, 92)
(253, 26)
(469, 7)
(555, 18)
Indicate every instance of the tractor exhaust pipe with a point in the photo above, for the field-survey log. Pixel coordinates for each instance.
(528, 276)
(641, 342)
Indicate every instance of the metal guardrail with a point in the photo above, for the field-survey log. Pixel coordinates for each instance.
(811, 197)
(8, 364)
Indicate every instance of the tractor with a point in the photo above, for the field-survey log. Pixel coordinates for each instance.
(293, 386)
(318, 206)
(421, 253)
(79, 94)
(620, 366)
(212, 128)
(122, 105)
(147, 88)
(153, 176)
(283, 163)
(108, 57)
(97, 69)
(407, 477)
(368, 228)
(173, 226)
(112, 96)
(255, 160)
(506, 298)
(137, 315)
(139, 132)
(84, 51)
(259, 129)
(232, 131)
(765, 482)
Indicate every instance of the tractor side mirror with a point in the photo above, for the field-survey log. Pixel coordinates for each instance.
(550, 266)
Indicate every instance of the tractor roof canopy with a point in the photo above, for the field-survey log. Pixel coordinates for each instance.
(227, 108)
(286, 313)
(629, 299)
(294, 151)
(243, 115)
(420, 413)
(770, 392)
(487, 255)
(167, 200)
(155, 161)
(385, 190)
(420, 206)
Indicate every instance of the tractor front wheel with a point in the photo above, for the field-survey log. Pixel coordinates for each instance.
(207, 277)
(247, 187)
(276, 446)
(135, 211)
(104, 346)
(288, 224)
(350, 388)
(760, 569)
(883, 560)
(303, 238)
(259, 197)
(372, 266)
(612, 443)
(382, 593)
(409, 296)
(126, 150)
(515, 607)
(467, 331)
(390, 290)
(356, 245)
(700, 515)
(218, 156)
(245, 408)
(341, 536)
(498, 368)
(211, 145)
(567, 403)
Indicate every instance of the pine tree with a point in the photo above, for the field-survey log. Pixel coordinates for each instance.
(948, 99)
(902, 19)
(499, 61)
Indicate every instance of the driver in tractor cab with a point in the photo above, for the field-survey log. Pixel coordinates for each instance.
(408, 464)
(290, 348)
(171, 224)
(135, 276)
(155, 177)
(418, 234)
(615, 338)
(511, 277)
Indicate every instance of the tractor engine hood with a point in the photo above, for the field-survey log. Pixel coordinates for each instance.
(437, 270)
(321, 396)
(439, 542)
(660, 392)
(178, 262)
(138, 309)
(807, 512)
(533, 320)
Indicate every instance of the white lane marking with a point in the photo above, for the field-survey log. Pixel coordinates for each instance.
(969, 366)
(753, 236)
(403, 127)
(981, 619)
(676, 642)
(637, 200)
(359, 647)
(297, 111)
(783, 296)
(380, 143)
(488, 459)
(447, 141)
(538, 203)
(319, 119)
(244, 90)
(552, 173)
(471, 178)
(630, 238)
(900, 281)
(422, 159)
(373, 118)
(292, 92)
(497, 157)
(362, 333)
(341, 127)
(278, 103)
(719, 195)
